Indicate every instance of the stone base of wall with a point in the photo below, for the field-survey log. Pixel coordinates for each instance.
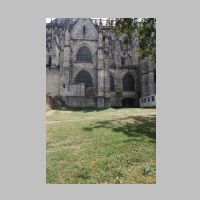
(58, 102)
(80, 102)
(100, 102)
(86, 102)
(107, 103)
(116, 99)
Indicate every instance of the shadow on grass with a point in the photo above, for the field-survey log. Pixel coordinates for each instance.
(90, 109)
(134, 126)
(84, 110)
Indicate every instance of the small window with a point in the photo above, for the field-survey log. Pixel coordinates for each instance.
(49, 62)
(83, 30)
(122, 61)
(112, 84)
(63, 85)
(128, 82)
(148, 99)
(152, 98)
(144, 100)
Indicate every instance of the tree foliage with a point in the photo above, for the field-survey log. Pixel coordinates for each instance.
(143, 28)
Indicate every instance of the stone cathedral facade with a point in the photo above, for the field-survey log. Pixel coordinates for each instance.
(89, 66)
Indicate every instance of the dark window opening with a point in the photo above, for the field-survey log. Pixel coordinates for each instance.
(49, 62)
(122, 61)
(129, 102)
(84, 55)
(83, 30)
(112, 85)
(128, 83)
(152, 98)
(63, 85)
(144, 100)
(148, 99)
(84, 77)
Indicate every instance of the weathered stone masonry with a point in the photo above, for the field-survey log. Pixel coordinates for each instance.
(89, 66)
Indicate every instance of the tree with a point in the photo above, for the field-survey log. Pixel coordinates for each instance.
(143, 28)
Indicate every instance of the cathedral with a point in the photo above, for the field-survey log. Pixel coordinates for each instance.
(87, 65)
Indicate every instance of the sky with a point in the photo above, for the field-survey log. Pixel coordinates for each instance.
(49, 19)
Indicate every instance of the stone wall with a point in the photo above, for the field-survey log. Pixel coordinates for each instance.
(109, 57)
(52, 82)
(76, 90)
(148, 86)
(81, 102)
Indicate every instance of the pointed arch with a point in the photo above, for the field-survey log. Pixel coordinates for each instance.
(77, 30)
(128, 82)
(84, 55)
(112, 84)
(84, 77)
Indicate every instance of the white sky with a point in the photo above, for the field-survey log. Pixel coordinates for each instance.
(49, 19)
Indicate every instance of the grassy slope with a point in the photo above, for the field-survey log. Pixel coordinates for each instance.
(102, 146)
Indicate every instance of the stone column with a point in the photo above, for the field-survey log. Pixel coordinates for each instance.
(107, 74)
(55, 54)
(100, 74)
(151, 79)
(119, 88)
(64, 70)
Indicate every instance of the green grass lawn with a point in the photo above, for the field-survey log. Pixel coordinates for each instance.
(101, 146)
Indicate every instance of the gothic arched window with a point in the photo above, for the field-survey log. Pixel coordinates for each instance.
(128, 82)
(112, 84)
(84, 55)
(84, 77)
